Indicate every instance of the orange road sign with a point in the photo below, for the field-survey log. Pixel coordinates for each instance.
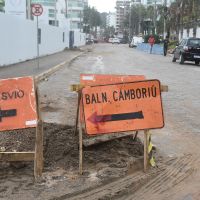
(104, 79)
(123, 107)
(17, 104)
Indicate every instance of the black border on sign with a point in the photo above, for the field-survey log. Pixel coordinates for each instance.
(123, 84)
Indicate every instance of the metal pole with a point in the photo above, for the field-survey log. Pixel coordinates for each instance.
(130, 21)
(139, 29)
(28, 9)
(38, 50)
(165, 14)
(55, 12)
(155, 16)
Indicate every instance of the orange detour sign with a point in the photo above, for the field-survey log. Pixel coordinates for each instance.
(103, 79)
(17, 104)
(123, 107)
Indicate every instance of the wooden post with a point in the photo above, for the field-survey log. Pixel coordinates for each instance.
(38, 162)
(146, 143)
(77, 112)
(80, 140)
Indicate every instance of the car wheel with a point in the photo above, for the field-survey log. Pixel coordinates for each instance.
(174, 59)
(196, 62)
(181, 59)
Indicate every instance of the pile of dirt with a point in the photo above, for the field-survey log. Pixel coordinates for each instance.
(61, 148)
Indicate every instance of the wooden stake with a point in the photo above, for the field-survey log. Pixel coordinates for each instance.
(80, 149)
(80, 138)
(146, 157)
(77, 112)
(38, 162)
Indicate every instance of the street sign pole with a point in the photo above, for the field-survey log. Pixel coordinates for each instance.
(38, 48)
(37, 11)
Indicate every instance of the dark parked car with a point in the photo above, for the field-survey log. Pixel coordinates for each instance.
(95, 40)
(123, 41)
(188, 50)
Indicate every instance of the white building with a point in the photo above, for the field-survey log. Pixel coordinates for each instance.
(111, 20)
(122, 9)
(54, 12)
(16, 8)
(152, 2)
(75, 13)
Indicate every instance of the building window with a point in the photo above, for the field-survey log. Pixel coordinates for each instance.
(45, 2)
(52, 13)
(53, 23)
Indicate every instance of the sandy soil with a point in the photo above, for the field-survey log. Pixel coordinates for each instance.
(61, 161)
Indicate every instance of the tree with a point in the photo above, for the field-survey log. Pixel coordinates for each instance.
(91, 19)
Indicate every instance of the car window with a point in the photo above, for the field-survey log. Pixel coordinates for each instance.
(183, 42)
(194, 42)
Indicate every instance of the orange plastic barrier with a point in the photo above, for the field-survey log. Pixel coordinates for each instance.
(123, 107)
(103, 79)
(17, 104)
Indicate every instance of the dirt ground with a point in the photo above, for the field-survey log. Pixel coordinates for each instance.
(61, 161)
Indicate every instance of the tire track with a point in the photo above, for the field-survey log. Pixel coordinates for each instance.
(173, 175)
(111, 189)
(120, 187)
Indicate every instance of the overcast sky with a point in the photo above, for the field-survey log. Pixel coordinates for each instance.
(103, 5)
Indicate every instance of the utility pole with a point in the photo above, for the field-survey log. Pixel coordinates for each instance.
(155, 16)
(28, 8)
(55, 12)
(165, 16)
(130, 21)
(139, 28)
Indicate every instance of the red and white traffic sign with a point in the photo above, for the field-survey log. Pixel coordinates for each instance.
(36, 9)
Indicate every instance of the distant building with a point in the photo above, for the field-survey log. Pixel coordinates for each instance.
(85, 2)
(75, 13)
(54, 12)
(153, 2)
(111, 20)
(122, 9)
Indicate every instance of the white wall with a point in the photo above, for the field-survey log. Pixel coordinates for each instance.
(79, 39)
(18, 40)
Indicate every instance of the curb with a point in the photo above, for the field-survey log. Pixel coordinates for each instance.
(49, 72)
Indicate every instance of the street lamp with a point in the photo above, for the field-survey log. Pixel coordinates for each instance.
(165, 16)
(155, 16)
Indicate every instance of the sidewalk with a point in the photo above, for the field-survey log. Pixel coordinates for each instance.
(29, 68)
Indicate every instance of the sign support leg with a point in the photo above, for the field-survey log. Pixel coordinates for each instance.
(80, 147)
(78, 122)
(38, 162)
(77, 112)
(146, 144)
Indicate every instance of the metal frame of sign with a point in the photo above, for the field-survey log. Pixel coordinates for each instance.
(37, 155)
